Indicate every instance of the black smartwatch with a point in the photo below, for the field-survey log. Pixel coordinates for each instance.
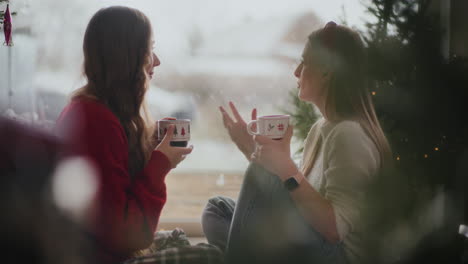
(293, 182)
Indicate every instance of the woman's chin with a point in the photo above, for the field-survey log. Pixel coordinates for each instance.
(301, 96)
(305, 98)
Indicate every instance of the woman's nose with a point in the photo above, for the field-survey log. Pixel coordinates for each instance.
(297, 72)
(156, 61)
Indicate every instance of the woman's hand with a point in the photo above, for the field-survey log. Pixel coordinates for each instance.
(174, 154)
(275, 155)
(154, 137)
(237, 129)
(155, 140)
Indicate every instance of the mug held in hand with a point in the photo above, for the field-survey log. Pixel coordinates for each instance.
(273, 126)
(181, 135)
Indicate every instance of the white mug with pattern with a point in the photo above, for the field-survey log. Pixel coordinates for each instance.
(272, 126)
(181, 132)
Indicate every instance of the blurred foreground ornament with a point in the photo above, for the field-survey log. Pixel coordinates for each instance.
(463, 230)
(7, 27)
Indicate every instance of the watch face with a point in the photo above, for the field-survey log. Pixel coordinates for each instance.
(291, 184)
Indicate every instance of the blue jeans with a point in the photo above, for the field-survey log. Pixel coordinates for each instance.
(265, 225)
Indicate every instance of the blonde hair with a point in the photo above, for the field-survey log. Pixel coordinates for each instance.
(340, 51)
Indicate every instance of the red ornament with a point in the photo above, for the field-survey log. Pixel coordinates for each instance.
(7, 26)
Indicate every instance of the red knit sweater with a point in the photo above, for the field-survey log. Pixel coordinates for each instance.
(125, 212)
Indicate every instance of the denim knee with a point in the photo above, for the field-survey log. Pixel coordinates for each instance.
(220, 206)
(216, 220)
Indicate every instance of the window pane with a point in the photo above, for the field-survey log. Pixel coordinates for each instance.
(211, 52)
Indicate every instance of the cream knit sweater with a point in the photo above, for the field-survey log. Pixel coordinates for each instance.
(344, 166)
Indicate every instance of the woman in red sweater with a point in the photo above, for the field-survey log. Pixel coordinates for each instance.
(106, 122)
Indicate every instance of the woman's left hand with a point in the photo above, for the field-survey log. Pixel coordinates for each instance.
(275, 155)
(155, 140)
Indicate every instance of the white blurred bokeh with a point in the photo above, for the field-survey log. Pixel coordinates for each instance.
(74, 186)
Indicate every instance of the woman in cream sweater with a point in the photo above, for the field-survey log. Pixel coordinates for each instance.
(315, 212)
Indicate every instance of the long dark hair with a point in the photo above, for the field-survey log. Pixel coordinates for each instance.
(116, 51)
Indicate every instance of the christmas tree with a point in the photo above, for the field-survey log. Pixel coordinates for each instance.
(419, 95)
(420, 99)
(303, 116)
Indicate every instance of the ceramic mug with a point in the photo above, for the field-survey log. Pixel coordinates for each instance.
(181, 131)
(272, 126)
